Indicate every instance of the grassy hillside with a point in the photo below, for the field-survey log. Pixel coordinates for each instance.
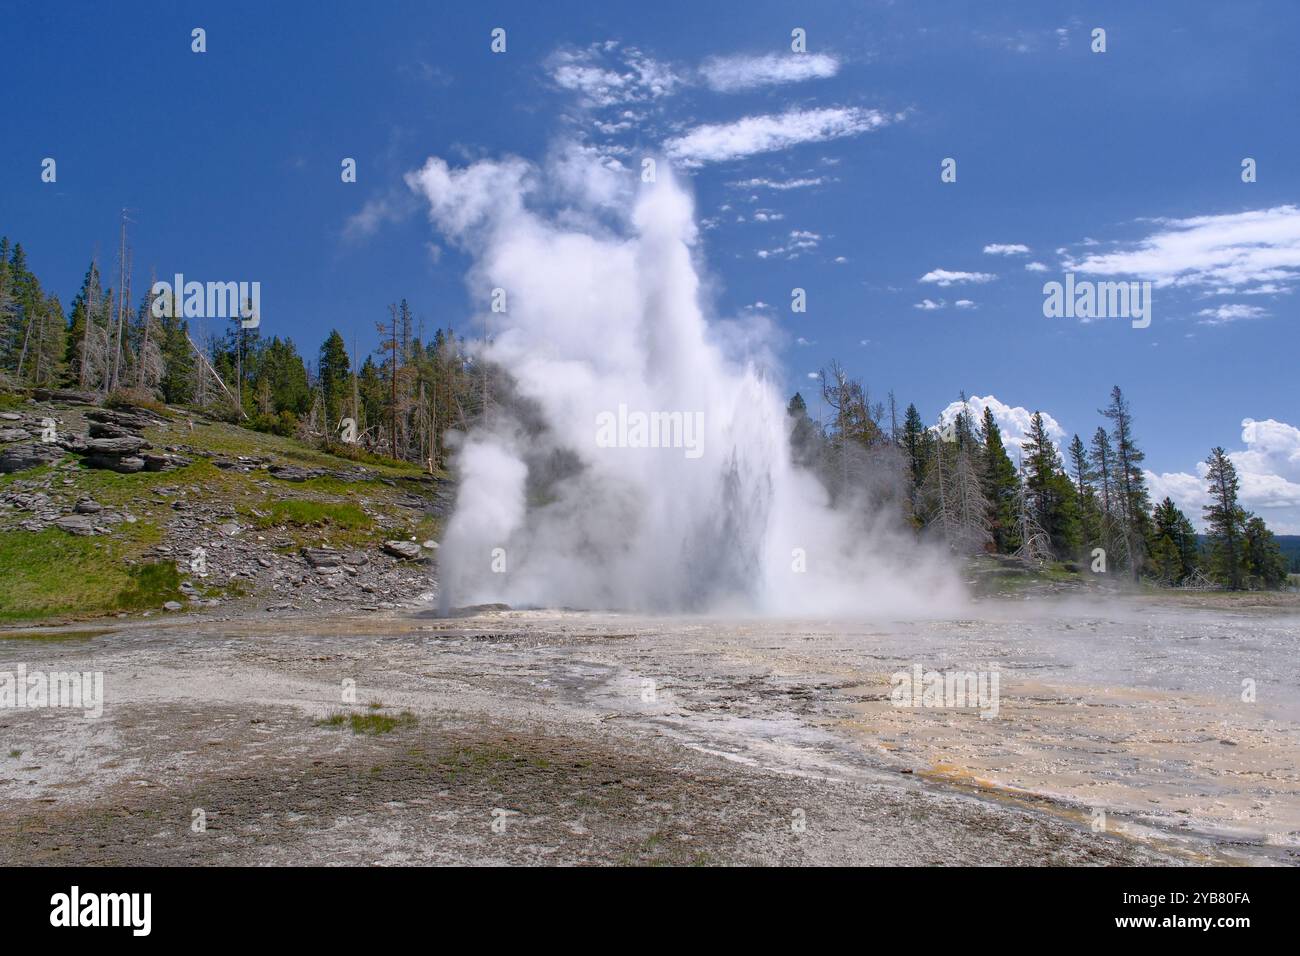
(127, 565)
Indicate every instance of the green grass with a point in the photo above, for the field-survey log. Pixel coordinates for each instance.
(151, 586)
(52, 573)
(372, 723)
(308, 513)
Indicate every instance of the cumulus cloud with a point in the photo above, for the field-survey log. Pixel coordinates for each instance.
(929, 305)
(943, 277)
(1269, 471)
(1006, 249)
(751, 135)
(1013, 421)
(1035, 267)
(1238, 252)
(731, 74)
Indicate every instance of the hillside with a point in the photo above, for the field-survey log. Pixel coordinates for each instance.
(135, 510)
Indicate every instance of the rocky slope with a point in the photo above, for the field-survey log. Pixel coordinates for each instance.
(97, 505)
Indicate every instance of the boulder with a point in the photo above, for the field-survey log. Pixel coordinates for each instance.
(66, 395)
(108, 430)
(322, 557)
(14, 434)
(407, 550)
(88, 506)
(81, 525)
(127, 465)
(21, 457)
(134, 420)
(126, 445)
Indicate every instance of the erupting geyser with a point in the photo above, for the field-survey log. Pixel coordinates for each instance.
(644, 462)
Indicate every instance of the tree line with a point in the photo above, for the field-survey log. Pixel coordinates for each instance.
(956, 480)
(398, 400)
(1089, 503)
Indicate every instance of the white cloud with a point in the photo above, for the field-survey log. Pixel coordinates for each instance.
(1006, 249)
(1268, 469)
(1223, 314)
(1238, 252)
(929, 305)
(964, 304)
(367, 220)
(943, 277)
(720, 142)
(799, 242)
(779, 184)
(1035, 267)
(730, 74)
(605, 75)
(1013, 421)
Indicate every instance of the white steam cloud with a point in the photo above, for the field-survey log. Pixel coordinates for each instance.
(604, 312)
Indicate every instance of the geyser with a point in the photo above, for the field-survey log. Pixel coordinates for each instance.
(603, 313)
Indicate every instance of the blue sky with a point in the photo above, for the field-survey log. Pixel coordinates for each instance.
(817, 170)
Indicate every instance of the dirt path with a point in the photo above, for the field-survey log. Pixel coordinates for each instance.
(547, 737)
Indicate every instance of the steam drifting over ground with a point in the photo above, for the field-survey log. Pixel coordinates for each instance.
(563, 499)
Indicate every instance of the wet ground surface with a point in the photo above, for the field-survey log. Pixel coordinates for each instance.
(541, 737)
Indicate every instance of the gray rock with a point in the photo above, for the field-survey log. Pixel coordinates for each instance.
(88, 506)
(172, 606)
(293, 473)
(14, 434)
(407, 550)
(116, 446)
(21, 457)
(10, 417)
(80, 525)
(66, 395)
(322, 557)
(108, 430)
(128, 465)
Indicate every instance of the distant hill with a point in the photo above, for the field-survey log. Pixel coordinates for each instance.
(1290, 545)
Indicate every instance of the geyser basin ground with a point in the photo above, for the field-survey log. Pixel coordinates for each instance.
(757, 741)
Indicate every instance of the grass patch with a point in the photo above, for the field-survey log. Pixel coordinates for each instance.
(372, 723)
(306, 513)
(52, 573)
(150, 586)
(53, 637)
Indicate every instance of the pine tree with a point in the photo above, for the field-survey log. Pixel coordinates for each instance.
(334, 381)
(1173, 550)
(1000, 484)
(1225, 521)
(915, 447)
(1051, 495)
(1129, 482)
(805, 435)
(1264, 564)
